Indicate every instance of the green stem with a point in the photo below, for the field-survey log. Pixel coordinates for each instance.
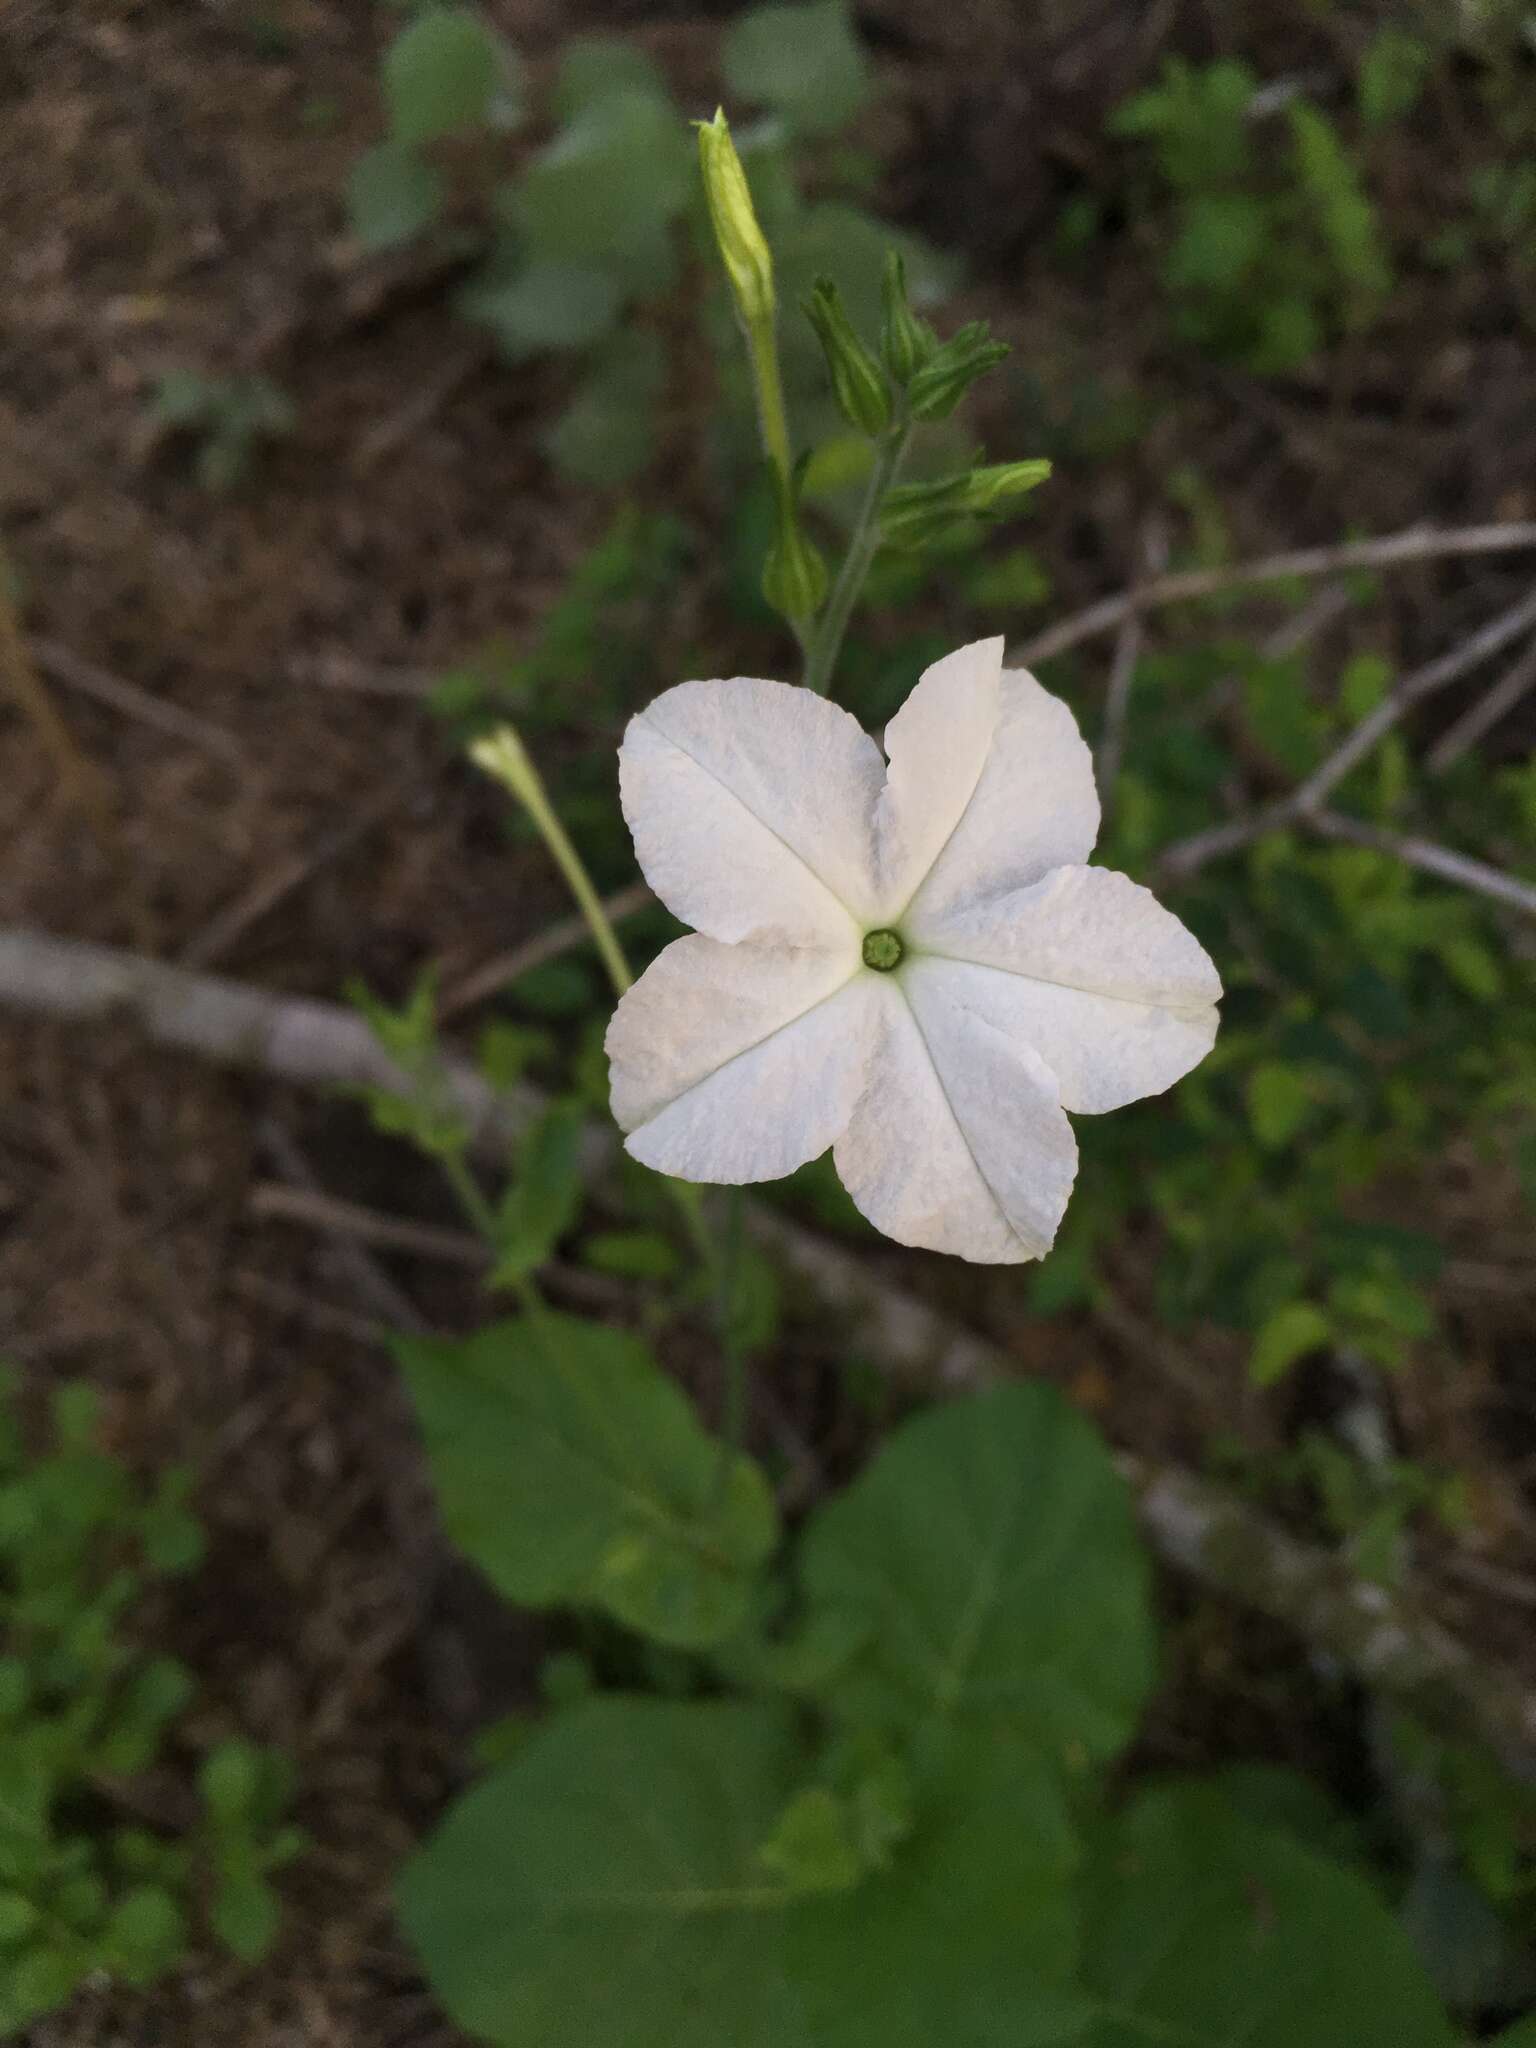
(471, 1197)
(831, 627)
(579, 882)
(773, 424)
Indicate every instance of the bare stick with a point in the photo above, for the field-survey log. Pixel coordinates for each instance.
(559, 938)
(1389, 551)
(1430, 858)
(1187, 855)
(67, 667)
(1194, 1526)
(1484, 715)
(272, 1200)
(77, 772)
(356, 1261)
(269, 890)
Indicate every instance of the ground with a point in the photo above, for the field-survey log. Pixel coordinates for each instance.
(171, 199)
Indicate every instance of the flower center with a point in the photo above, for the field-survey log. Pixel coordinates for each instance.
(882, 951)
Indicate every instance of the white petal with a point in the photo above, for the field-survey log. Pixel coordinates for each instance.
(959, 1142)
(1116, 996)
(739, 1063)
(937, 745)
(1035, 807)
(751, 804)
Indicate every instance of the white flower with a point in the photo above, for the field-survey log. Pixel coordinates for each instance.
(903, 958)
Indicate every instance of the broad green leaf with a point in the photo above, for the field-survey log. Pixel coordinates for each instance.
(1280, 1098)
(1393, 73)
(446, 72)
(145, 1935)
(608, 1887)
(546, 304)
(972, 1935)
(605, 190)
(392, 195)
(573, 1472)
(1205, 1929)
(990, 1544)
(632, 1254)
(598, 68)
(544, 1195)
(245, 1911)
(1290, 1333)
(805, 62)
(607, 434)
(1521, 2035)
(604, 1887)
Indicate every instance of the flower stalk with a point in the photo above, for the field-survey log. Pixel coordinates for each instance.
(826, 640)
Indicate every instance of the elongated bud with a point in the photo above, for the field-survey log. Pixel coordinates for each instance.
(915, 514)
(794, 574)
(858, 382)
(502, 754)
(940, 385)
(743, 250)
(906, 342)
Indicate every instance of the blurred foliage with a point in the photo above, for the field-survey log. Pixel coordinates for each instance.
(90, 1883)
(583, 248)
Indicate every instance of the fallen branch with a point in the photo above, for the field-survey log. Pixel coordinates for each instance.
(1373, 1631)
(498, 973)
(1186, 856)
(1429, 858)
(73, 670)
(1388, 551)
(1484, 715)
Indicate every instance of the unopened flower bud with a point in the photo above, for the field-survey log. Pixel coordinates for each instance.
(940, 385)
(906, 342)
(794, 574)
(743, 250)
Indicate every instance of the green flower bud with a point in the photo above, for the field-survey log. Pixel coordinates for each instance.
(915, 514)
(940, 385)
(743, 250)
(858, 383)
(906, 342)
(794, 574)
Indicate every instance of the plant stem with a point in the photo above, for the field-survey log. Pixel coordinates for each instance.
(471, 1197)
(827, 637)
(773, 425)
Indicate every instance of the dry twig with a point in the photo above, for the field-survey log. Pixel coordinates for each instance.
(499, 973)
(67, 667)
(1431, 859)
(1389, 551)
(1484, 715)
(1187, 855)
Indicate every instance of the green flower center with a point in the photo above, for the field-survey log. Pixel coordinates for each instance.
(882, 951)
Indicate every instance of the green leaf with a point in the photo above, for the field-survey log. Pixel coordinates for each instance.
(971, 1936)
(546, 305)
(544, 1195)
(573, 1472)
(1290, 1333)
(1013, 1596)
(1393, 73)
(804, 62)
(18, 1916)
(607, 434)
(604, 191)
(1205, 1929)
(609, 1887)
(631, 1254)
(230, 1781)
(446, 72)
(1521, 2035)
(1280, 1099)
(604, 1887)
(246, 1912)
(599, 68)
(145, 1934)
(392, 195)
